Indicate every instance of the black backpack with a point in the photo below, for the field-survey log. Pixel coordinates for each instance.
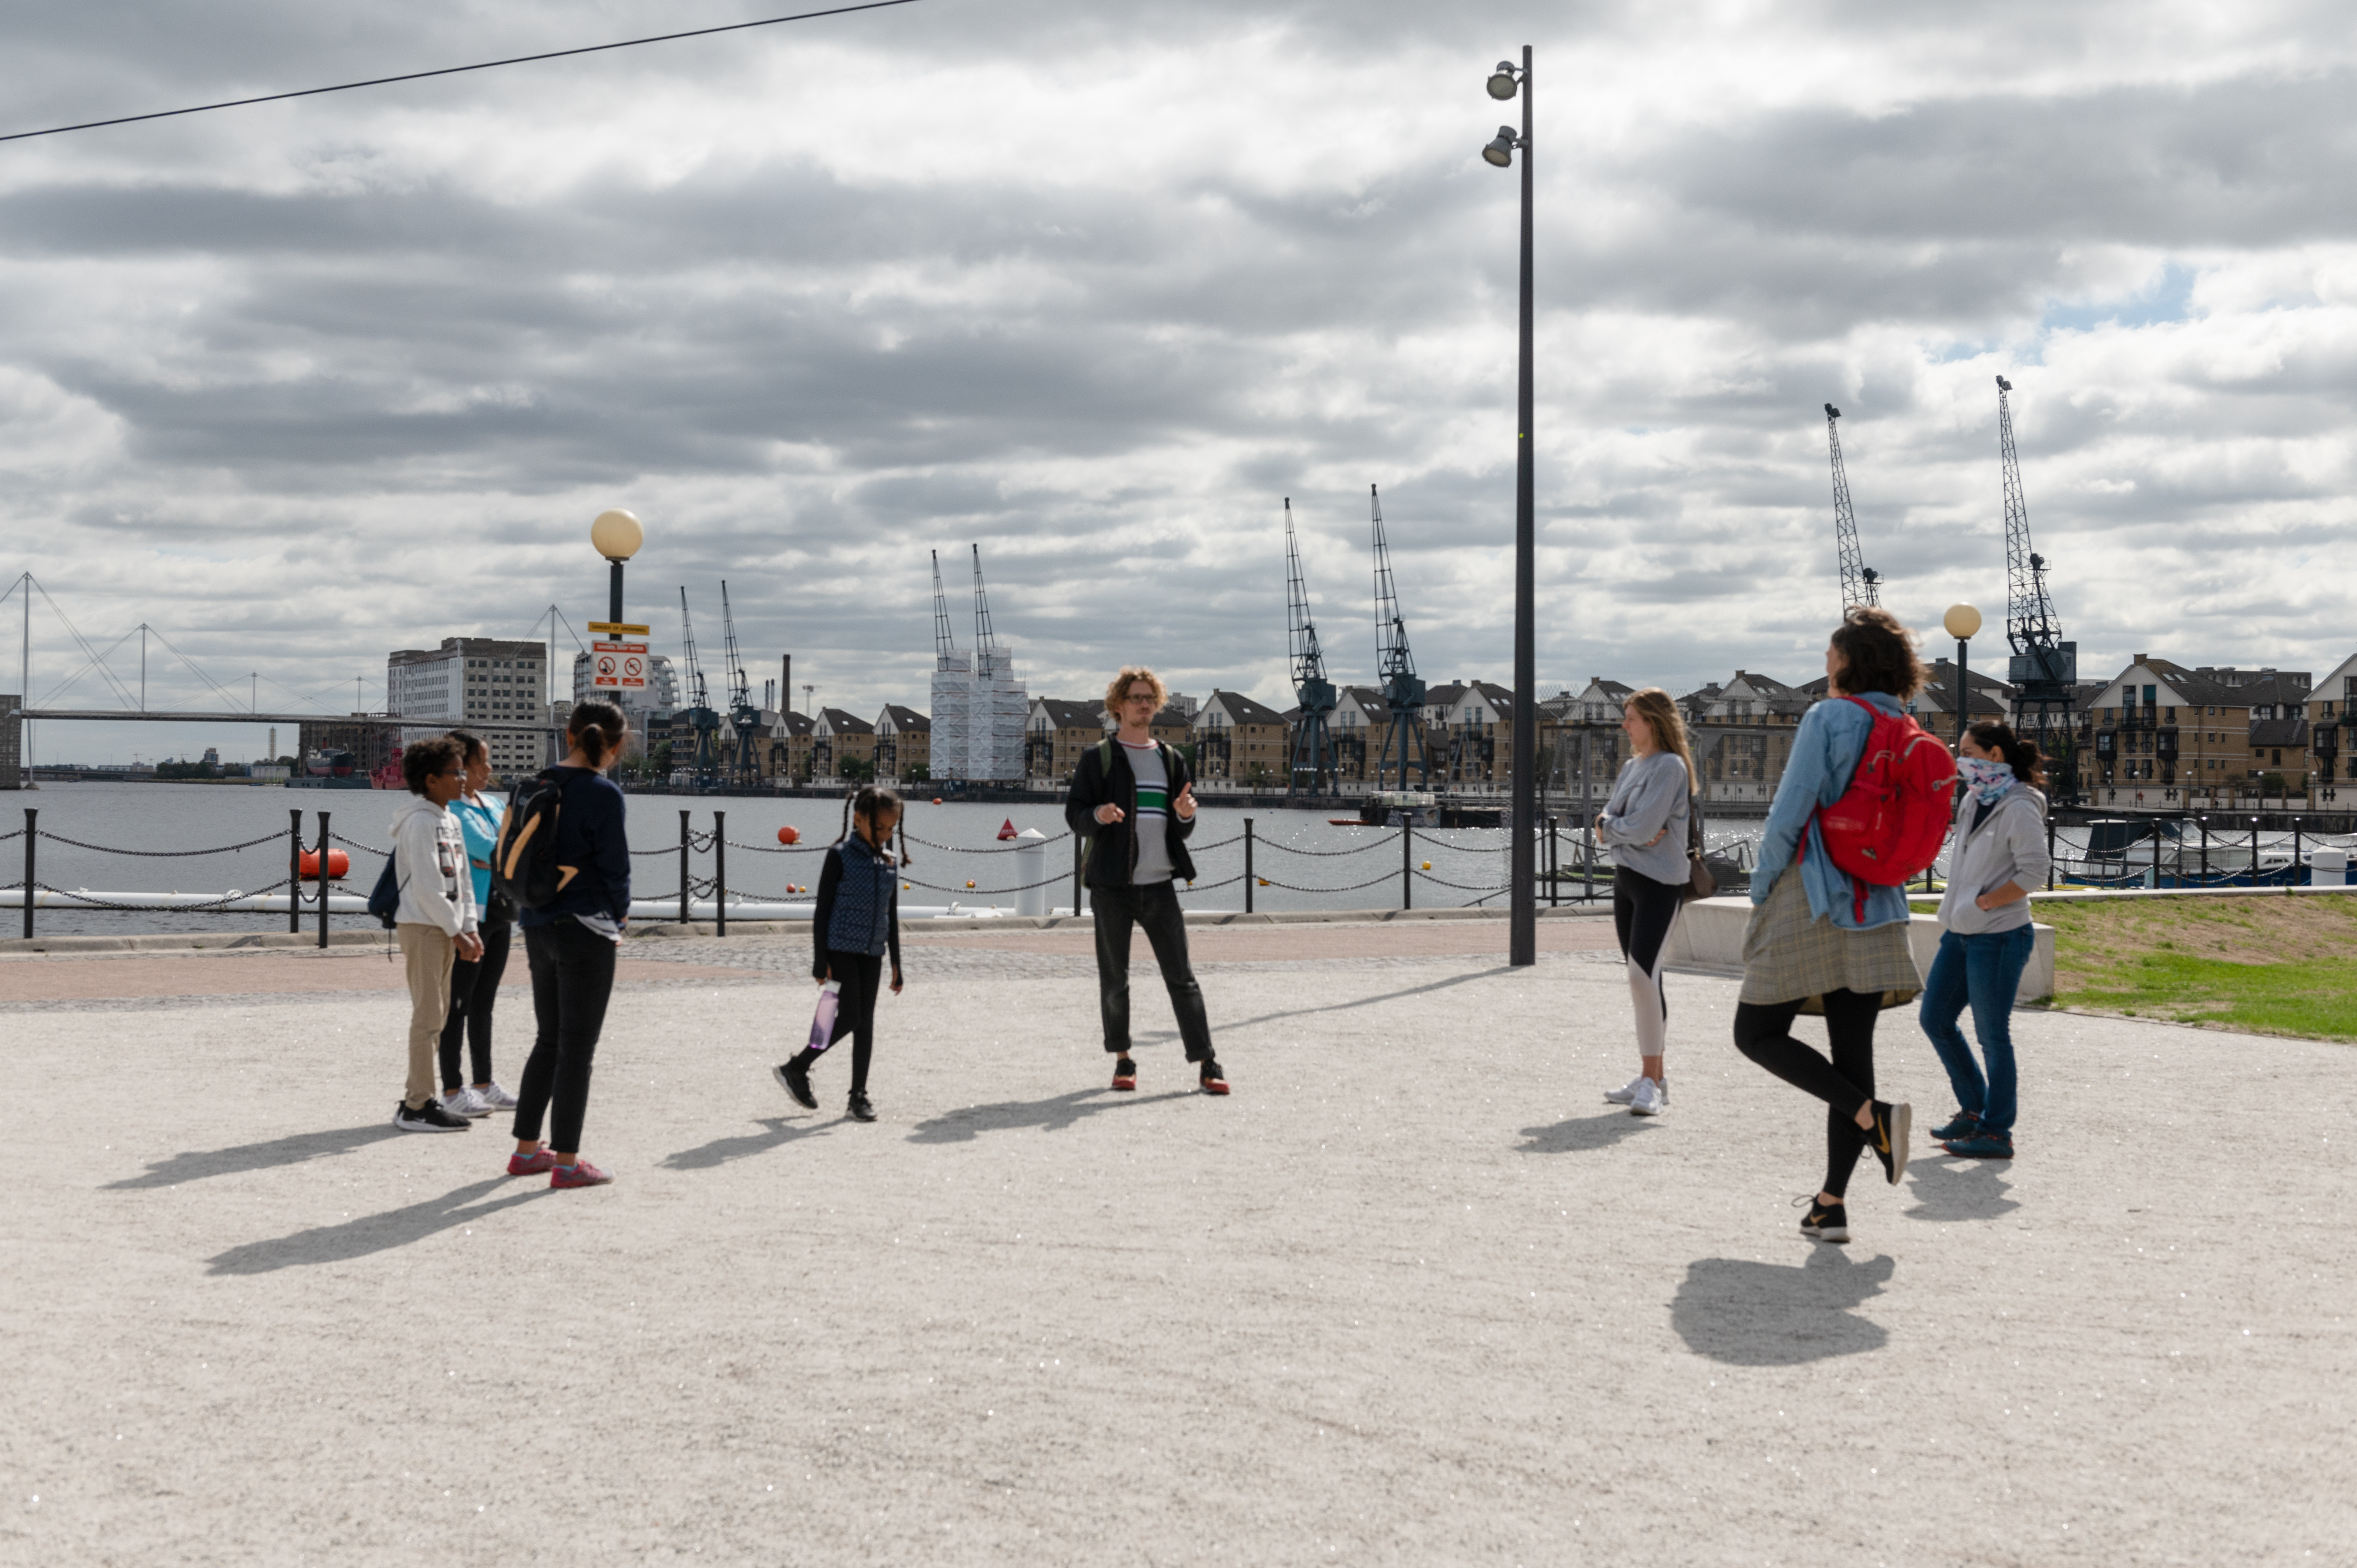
(524, 864)
(385, 901)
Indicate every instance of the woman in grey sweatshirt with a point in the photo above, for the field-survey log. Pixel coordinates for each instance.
(1997, 853)
(1643, 830)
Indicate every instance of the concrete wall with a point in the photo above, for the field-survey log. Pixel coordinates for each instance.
(1709, 941)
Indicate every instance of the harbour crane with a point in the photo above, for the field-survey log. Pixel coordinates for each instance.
(1395, 668)
(944, 640)
(704, 769)
(2044, 670)
(743, 716)
(1861, 583)
(1313, 770)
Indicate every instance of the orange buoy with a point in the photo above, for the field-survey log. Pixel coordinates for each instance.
(789, 835)
(340, 865)
(969, 886)
(1006, 829)
(937, 799)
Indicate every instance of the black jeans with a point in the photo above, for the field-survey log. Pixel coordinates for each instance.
(1153, 907)
(861, 975)
(572, 978)
(1764, 1033)
(474, 990)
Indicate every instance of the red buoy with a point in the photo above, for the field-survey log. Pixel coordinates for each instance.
(1006, 829)
(937, 799)
(789, 835)
(340, 865)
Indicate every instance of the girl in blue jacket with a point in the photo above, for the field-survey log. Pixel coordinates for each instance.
(855, 925)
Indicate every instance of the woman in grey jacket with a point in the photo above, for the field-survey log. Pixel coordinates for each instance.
(1643, 829)
(1997, 855)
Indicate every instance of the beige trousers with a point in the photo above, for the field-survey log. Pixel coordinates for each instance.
(429, 951)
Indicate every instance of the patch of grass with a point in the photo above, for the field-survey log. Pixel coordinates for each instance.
(2265, 963)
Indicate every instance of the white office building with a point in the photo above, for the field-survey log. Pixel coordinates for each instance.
(475, 682)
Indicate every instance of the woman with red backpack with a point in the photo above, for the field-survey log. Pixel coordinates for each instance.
(1821, 942)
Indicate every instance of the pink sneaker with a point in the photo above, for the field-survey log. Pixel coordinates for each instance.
(530, 1164)
(581, 1174)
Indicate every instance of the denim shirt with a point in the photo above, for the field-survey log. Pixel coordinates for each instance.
(1826, 750)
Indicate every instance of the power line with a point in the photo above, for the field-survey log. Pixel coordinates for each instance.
(457, 69)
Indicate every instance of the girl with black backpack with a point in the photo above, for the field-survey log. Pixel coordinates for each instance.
(855, 924)
(573, 923)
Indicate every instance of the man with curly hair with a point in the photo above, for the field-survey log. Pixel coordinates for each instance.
(1132, 804)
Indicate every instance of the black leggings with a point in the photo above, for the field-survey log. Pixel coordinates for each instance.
(572, 978)
(1643, 913)
(474, 988)
(1763, 1032)
(861, 975)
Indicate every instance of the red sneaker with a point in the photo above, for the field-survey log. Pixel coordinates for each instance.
(1214, 1081)
(533, 1164)
(1124, 1073)
(581, 1174)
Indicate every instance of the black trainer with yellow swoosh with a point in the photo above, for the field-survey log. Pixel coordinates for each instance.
(1891, 1125)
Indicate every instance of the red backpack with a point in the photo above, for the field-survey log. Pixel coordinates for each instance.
(1888, 825)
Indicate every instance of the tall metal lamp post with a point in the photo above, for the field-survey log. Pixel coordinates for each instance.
(1962, 621)
(1521, 895)
(616, 535)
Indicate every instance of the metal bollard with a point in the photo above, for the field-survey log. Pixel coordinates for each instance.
(1248, 865)
(295, 870)
(32, 836)
(324, 884)
(720, 873)
(1079, 859)
(1030, 868)
(683, 868)
(1407, 863)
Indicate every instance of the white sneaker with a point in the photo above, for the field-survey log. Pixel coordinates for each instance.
(465, 1103)
(498, 1098)
(1648, 1098)
(1627, 1091)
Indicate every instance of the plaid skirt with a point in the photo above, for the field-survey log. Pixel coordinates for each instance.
(1790, 957)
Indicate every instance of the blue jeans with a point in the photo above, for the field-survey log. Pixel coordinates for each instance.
(1983, 970)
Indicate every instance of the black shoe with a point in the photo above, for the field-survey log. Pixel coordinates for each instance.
(428, 1118)
(1124, 1073)
(860, 1109)
(794, 1079)
(1962, 1124)
(1888, 1136)
(1826, 1221)
(1214, 1081)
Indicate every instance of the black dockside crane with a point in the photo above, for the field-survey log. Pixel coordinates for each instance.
(1313, 770)
(1395, 668)
(1861, 583)
(2044, 670)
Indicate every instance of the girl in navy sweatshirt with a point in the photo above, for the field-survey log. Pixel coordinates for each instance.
(855, 925)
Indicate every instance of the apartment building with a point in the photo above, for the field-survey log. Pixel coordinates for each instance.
(839, 738)
(480, 679)
(904, 744)
(2332, 738)
(1058, 731)
(2168, 735)
(1240, 743)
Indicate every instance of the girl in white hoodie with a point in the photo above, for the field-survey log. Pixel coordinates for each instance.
(1998, 854)
(436, 920)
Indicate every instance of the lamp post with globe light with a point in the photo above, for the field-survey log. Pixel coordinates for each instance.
(1962, 621)
(616, 535)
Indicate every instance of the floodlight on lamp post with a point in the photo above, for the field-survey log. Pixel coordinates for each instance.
(1962, 621)
(1521, 895)
(616, 535)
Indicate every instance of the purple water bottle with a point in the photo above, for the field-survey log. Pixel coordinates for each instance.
(822, 1034)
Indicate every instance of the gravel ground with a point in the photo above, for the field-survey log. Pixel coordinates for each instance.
(1413, 1294)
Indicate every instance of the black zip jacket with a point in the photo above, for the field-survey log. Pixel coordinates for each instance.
(830, 890)
(1112, 847)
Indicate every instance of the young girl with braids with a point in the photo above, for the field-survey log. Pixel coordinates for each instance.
(857, 924)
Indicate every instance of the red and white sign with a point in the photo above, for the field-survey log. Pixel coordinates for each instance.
(619, 666)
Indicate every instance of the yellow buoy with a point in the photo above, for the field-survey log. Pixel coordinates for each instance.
(1427, 865)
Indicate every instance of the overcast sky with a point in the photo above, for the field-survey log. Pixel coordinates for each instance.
(1098, 287)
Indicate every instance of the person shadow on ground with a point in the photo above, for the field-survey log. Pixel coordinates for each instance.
(1582, 1134)
(1047, 1115)
(1946, 1188)
(292, 1150)
(720, 1151)
(1751, 1313)
(367, 1233)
